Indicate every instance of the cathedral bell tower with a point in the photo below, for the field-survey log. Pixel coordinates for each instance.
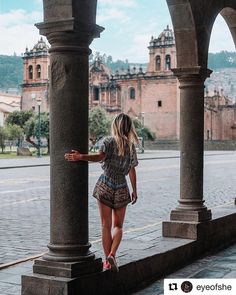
(162, 53)
(36, 79)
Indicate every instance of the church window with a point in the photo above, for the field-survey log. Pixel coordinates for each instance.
(158, 63)
(38, 71)
(132, 93)
(159, 103)
(30, 72)
(96, 93)
(168, 62)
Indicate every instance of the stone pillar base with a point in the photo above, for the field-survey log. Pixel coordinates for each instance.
(44, 285)
(67, 269)
(178, 229)
(195, 216)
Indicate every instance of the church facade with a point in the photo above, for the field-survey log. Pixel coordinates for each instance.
(152, 95)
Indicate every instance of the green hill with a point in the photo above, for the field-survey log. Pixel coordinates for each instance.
(11, 71)
(11, 67)
(223, 59)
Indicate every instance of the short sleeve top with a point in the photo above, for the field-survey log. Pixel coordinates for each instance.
(113, 164)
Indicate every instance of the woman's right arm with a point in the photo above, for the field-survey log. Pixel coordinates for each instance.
(75, 156)
(133, 180)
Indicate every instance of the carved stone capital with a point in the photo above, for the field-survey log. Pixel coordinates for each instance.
(192, 77)
(69, 33)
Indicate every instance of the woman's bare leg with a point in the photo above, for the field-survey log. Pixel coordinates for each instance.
(106, 222)
(118, 220)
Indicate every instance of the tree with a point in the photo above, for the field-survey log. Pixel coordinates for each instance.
(143, 131)
(31, 129)
(44, 128)
(3, 137)
(14, 132)
(98, 124)
(19, 118)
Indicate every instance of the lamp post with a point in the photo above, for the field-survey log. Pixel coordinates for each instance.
(39, 101)
(142, 122)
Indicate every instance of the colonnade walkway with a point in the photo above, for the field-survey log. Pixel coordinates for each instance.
(215, 265)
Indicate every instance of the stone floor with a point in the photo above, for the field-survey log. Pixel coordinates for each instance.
(215, 265)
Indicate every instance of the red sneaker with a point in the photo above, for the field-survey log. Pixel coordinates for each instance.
(112, 261)
(106, 265)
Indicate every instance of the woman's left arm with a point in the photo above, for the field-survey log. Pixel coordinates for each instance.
(132, 176)
(75, 156)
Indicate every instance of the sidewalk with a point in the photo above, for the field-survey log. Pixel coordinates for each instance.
(148, 154)
(22, 162)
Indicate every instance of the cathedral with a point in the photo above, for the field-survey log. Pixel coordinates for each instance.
(152, 95)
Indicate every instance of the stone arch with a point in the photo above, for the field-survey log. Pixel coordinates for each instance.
(193, 22)
(158, 63)
(229, 14)
(185, 33)
(38, 69)
(30, 72)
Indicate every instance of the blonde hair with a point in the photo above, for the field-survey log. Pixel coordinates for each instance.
(124, 133)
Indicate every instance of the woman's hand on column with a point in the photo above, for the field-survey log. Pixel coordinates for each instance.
(73, 156)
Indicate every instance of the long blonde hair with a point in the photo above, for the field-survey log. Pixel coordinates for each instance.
(124, 133)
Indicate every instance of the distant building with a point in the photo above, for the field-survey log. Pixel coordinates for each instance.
(152, 96)
(8, 104)
(220, 116)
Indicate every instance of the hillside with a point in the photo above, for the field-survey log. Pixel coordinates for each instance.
(221, 60)
(11, 71)
(11, 67)
(223, 80)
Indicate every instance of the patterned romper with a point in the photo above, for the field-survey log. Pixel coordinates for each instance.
(111, 188)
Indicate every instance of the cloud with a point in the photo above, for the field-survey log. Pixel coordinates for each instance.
(114, 10)
(118, 3)
(112, 14)
(17, 30)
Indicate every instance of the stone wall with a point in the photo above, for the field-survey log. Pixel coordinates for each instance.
(225, 145)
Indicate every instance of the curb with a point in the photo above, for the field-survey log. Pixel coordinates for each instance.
(140, 159)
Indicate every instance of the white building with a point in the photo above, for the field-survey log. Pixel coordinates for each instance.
(8, 104)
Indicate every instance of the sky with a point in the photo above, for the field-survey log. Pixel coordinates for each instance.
(129, 25)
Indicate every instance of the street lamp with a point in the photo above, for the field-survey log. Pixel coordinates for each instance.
(39, 101)
(142, 123)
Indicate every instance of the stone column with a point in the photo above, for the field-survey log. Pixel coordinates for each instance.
(69, 255)
(191, 206)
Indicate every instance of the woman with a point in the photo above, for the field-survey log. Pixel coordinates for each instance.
(118, 157)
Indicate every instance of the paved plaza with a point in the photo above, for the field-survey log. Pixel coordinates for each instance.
(24, 203)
